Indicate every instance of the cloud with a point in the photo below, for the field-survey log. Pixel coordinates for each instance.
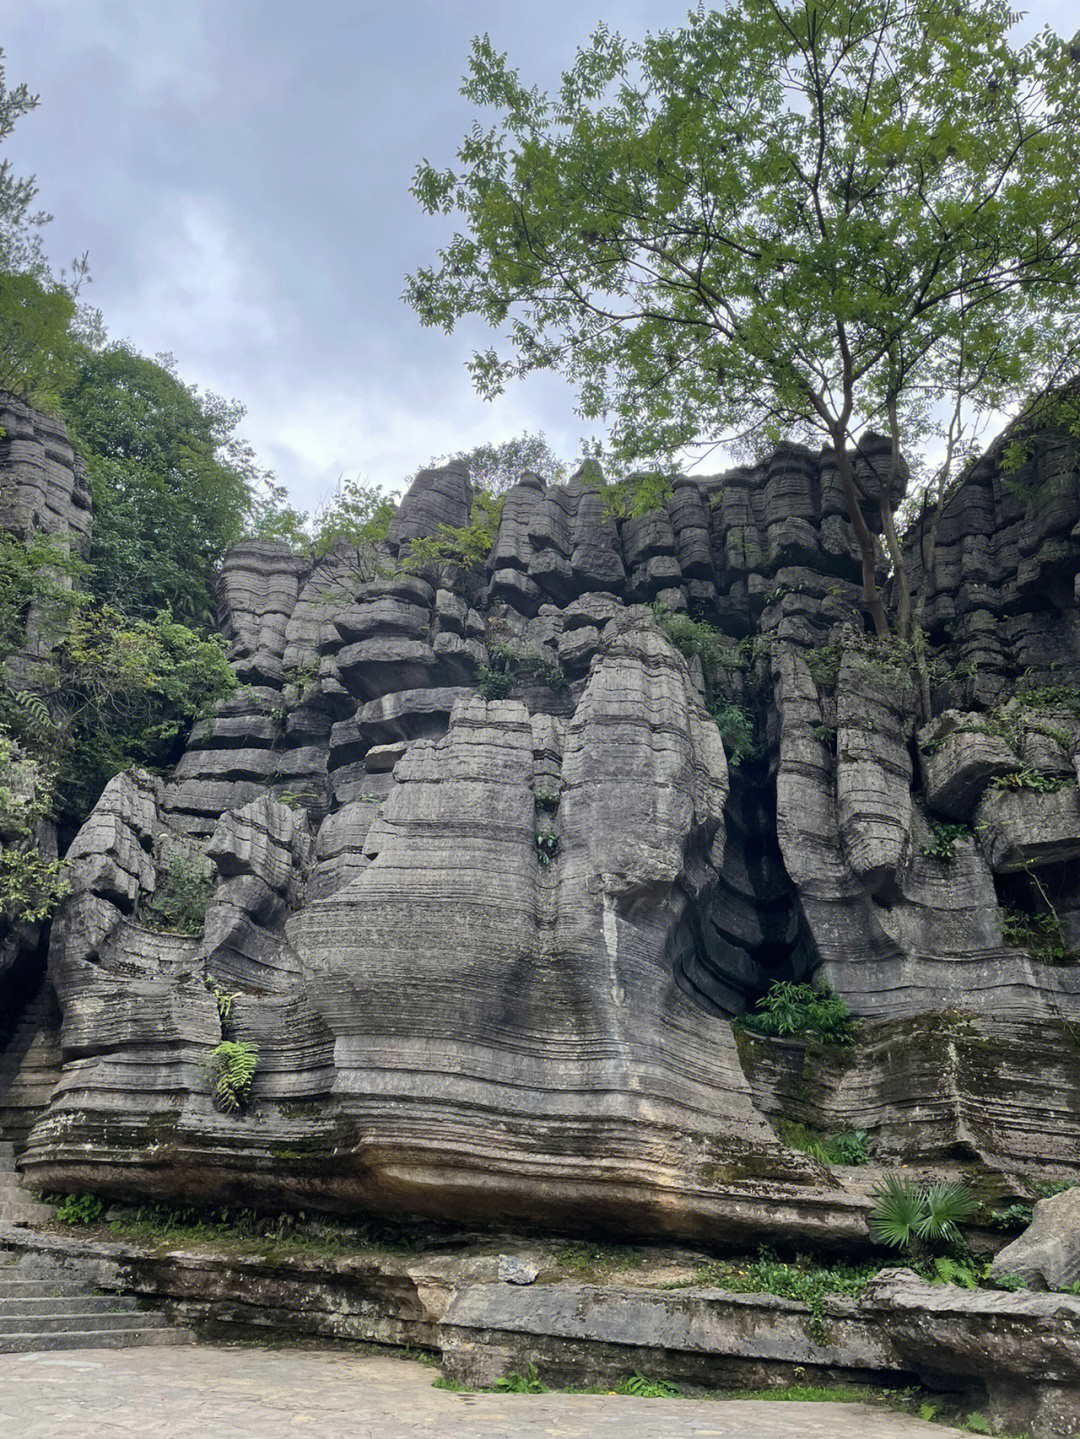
(240, 174)
(197, 280)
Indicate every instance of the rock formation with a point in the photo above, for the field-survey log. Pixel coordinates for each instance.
(490, 949)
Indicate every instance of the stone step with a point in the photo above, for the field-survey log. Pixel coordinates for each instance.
(59, 1321)
(93, 1339)
(31, 1304)
(44, 1288)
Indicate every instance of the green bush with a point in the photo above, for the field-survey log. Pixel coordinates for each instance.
(80, 1209)
(848, 1146)
(790, 1008)
(736, 728)
(694, 637)
(547, 846)
(1040, 934)
(943, 840)
(180, 900)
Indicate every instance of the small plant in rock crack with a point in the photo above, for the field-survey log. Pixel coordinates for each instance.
(547, 846)
(641, 1387)
(224, 1001)
(1032, 779)
(546, 800)
(847, 1146)
(1040, 934)
(943, 840)
(528, 1383)
(231, 1072)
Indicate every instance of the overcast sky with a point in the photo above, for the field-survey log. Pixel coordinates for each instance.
(239, 172)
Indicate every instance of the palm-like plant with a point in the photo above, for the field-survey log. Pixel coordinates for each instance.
(945, 1207)
(905, 1212)
(898, 1213)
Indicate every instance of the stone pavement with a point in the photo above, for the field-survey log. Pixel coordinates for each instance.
(215, 1390)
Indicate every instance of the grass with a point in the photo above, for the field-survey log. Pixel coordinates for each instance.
(917, 1402)
(599, 1258)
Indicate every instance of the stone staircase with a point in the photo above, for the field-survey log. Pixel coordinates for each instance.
(18, 1205)
(43, 1307)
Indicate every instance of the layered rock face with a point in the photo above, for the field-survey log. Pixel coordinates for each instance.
(43, 492)
(489, 949)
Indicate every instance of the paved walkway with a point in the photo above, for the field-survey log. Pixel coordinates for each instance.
(207, 1391)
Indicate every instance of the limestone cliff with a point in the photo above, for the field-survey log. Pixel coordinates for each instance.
(490, 950)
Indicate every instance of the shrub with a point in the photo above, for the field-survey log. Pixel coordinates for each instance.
(546, 800)
(736, 728)
(547, 846)
(1010, 1282)
(30, 887)
(1040, 934)
(465, 547)
(848, 1146)
(791, 1008)
(180, 900)
(231, 1072)
(80, 1209)
(693, 637)
(509, 668)
(1032, 779)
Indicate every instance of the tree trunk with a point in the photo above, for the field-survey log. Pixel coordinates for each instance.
(863, 536)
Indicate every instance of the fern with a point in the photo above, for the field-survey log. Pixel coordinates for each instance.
(231, 1071)
(35, 708)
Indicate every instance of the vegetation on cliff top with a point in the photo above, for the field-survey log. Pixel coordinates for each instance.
(783, 217)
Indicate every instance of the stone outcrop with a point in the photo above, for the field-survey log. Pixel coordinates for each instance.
(489, 888)
(43, 493)
(1047, 1254)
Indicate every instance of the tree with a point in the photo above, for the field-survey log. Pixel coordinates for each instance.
(802, 216)
(37, 311)
(497, 468)
(170, 481)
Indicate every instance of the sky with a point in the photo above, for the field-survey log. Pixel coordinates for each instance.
(239, 172)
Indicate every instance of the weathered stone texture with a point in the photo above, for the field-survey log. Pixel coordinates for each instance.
(490, 950)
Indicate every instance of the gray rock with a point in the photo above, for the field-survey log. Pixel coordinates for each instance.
(1047, 1254)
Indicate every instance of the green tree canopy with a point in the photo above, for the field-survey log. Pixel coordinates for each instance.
(497, 468)
(171, 483)
(788, 216)
(37, 311)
